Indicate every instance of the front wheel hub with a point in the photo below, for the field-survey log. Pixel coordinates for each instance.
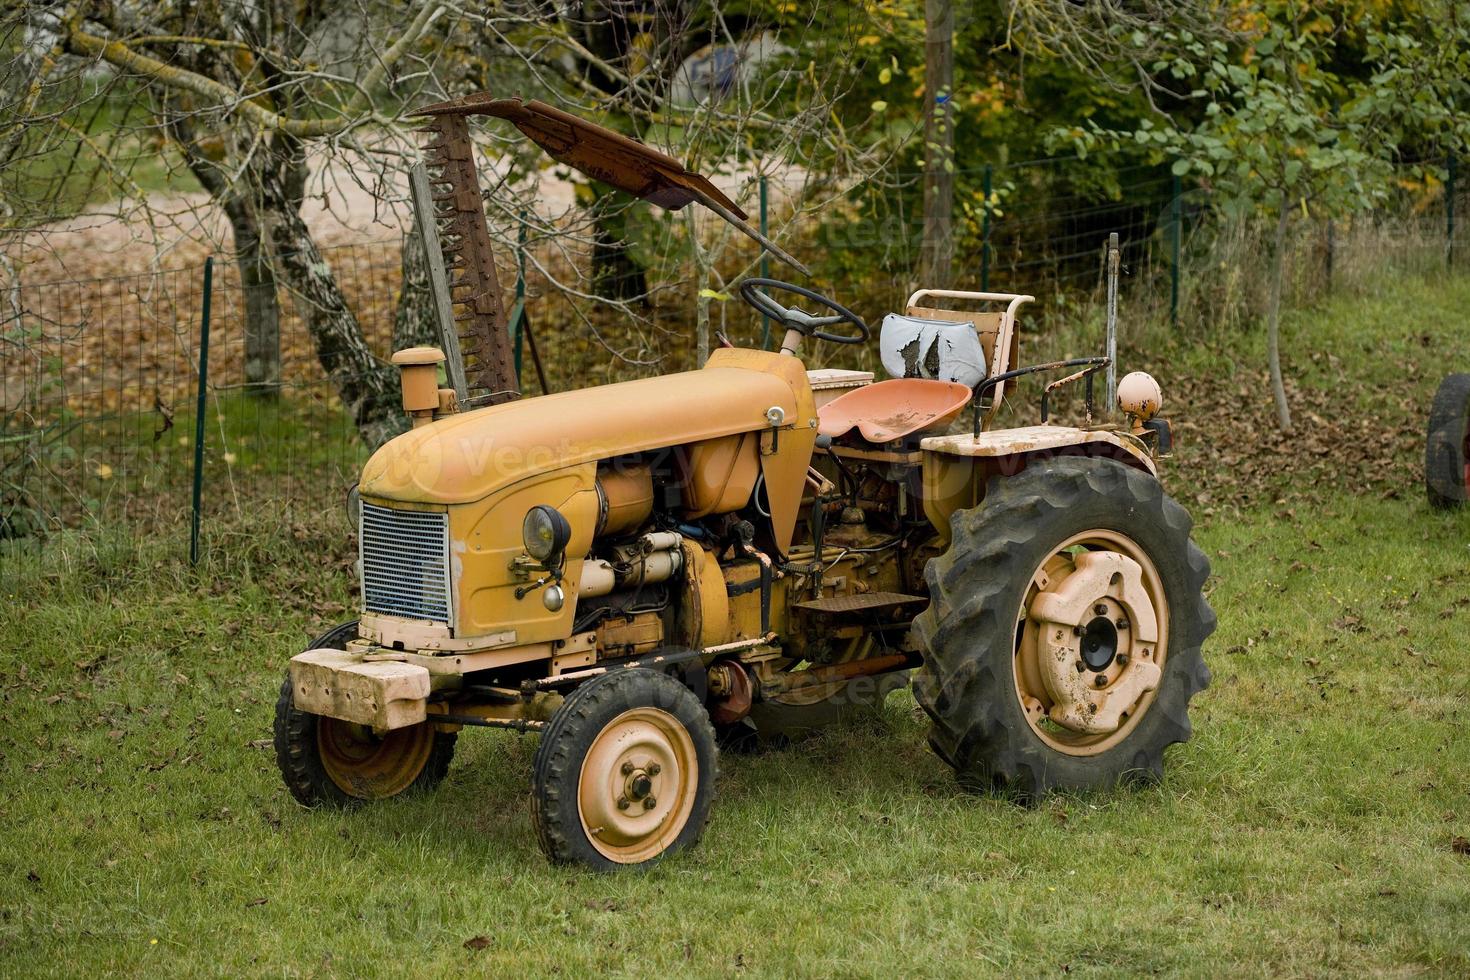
(637, 785)
(1094, 673)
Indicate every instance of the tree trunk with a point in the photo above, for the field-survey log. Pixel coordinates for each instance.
(1273, 319)
(415, 323)
(257, 274)
(262, 303)
(936, 251)
(367, 386)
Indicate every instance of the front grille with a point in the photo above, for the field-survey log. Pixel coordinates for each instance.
(405, 562)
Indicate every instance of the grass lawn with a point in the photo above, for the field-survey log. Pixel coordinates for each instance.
(1316, 823)
(1309, 826)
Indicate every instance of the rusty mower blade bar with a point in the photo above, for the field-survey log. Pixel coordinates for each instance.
(612, 158)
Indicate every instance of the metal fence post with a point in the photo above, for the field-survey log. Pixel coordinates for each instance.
(199, 410)
(1449, 213)
(985, 231)
(765, 264)
(1331, 250)
(1176, 236)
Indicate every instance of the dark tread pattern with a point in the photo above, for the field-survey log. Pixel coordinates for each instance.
(968, 631)
(296, 747)
(1444, 443)
(557, 767)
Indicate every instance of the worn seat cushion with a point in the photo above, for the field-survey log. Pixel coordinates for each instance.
(939, 350)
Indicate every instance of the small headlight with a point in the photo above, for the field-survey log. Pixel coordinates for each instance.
(545, 533)
(354, 506)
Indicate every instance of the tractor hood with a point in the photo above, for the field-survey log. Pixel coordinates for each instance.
(467, 457)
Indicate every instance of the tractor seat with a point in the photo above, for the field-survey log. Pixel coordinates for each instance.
(889, 410)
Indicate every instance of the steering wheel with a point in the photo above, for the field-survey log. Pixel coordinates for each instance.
(753, 292)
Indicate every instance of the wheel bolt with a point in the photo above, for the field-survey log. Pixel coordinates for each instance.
(623, 803)
(627, 769)
(1123, 659)
(1101, 609)
(1076, 631)
(649, 803)
(654, 769)
(1081, 666)
(1122, 624)
(1100, 680)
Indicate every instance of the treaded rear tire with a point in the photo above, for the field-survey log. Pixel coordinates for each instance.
(298, 756)
(1445, 475)
(582, 717)
(968, 633)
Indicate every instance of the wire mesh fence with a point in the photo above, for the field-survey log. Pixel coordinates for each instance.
(99, 378)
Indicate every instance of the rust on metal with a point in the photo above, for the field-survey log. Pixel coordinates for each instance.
(610, 157)
(469, 259)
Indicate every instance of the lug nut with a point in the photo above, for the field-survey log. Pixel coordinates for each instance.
(1081, 666)
(654, 768)
(627, 769)
(1100, 680)
(623, 803)
(1101, 609)
(649, 803)
(1076, 631)
(1122, 624)
(1123, 659)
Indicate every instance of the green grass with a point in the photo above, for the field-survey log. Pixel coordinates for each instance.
(1307, 828)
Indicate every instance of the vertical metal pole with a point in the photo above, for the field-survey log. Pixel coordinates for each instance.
(199, 410)
(1176, 237)
(1449, 213)
(985, 232)
(518, 326)
(1112, 342)
(765, 264)
(1331, 250)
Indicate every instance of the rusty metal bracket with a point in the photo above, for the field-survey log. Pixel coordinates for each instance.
(609, 157)
(993, 380)
(469, 260)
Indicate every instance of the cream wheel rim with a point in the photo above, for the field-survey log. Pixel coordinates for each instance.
(1134, 620)
(638, 784)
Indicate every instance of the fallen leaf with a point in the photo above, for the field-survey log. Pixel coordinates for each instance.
(477, 942)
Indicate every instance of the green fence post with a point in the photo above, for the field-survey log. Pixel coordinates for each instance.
(518, 311)
(199, 410)
(985, 232)
(1449, 213)
(765, 265)
(1176, 236)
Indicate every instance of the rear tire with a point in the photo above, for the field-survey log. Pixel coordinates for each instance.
(1447, 444)
(991, 719)
(328, 761)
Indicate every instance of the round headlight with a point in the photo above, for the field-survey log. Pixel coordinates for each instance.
(545, 533)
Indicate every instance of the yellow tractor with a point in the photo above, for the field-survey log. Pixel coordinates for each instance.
(640, 572)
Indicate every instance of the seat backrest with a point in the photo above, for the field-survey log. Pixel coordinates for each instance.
(986, 324)
(997, 329)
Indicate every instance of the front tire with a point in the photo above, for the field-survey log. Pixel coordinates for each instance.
(625, 772)
(329, 761)
(1447, 444)
(1062, 642)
